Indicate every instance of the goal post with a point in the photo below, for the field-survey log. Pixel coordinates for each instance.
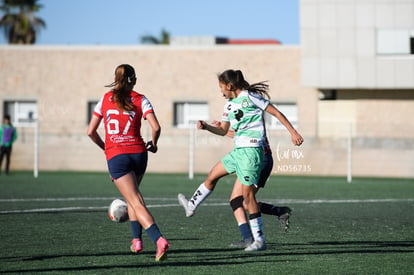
(191, 149)
(35, 126)
(349, 168)
(36, 150)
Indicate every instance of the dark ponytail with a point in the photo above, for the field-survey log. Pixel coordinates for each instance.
(125, 80)
(236, 79)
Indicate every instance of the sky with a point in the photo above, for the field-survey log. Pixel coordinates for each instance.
(124, 22)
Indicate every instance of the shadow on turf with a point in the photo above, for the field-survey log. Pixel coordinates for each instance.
(217, 259)
(365, 244)
(372, 243)
(227, 256)
(347, 247)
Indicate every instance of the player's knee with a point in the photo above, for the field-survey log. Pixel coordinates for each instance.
(236, 203)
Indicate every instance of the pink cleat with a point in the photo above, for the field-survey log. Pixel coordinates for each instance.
(136, 245)
(162, 247)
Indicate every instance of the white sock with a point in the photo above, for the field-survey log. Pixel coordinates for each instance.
(256, 225)
(199, 196)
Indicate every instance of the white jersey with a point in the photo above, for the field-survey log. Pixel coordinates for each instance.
(245, 115)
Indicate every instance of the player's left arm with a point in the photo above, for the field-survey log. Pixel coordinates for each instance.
(297, 139)
(155, 133)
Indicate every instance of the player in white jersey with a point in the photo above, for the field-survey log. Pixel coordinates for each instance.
(243, 113)
(281, 212)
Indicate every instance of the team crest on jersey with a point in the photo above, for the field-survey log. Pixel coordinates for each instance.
(245, 104)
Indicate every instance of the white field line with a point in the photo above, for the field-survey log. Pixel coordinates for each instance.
(85, 208)
(75, 199)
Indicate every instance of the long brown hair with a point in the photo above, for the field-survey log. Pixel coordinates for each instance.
(236, 79)
(125, 80)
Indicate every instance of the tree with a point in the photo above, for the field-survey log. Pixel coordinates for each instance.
(150, 39)
(19, 23)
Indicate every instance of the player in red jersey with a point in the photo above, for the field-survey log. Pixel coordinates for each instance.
(122, 110)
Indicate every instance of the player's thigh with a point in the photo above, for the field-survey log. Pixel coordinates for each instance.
(248, 166)
(217, 172)
(126, 185)
(249, 198)
(237, 190)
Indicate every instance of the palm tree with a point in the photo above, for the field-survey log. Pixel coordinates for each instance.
(19, 23)
(150, 39)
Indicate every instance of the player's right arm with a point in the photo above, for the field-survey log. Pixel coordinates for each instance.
(230, 133)
(94, 124)
(92, 131)
(220, 130)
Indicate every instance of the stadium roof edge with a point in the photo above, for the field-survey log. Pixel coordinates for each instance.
(147, 47)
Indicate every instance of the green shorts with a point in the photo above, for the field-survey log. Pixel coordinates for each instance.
(246, 162)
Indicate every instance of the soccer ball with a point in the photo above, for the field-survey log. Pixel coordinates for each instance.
(118, 211)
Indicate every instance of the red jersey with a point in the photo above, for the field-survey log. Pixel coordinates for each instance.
(123, 128)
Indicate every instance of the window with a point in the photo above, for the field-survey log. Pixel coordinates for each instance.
(290, 110)
(327, 94)
(395, 41)
(187, 113)
(21, 111)
(91, 108)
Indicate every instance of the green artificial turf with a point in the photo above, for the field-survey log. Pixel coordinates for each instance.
(57, 224)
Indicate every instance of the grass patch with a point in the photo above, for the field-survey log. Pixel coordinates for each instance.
(364, 227)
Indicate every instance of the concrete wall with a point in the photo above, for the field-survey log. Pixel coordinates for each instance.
(63, 79)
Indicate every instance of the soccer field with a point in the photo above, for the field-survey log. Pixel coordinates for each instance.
(57, 223)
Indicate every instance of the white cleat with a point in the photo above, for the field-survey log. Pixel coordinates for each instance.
(256, 246)
(182, 200)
